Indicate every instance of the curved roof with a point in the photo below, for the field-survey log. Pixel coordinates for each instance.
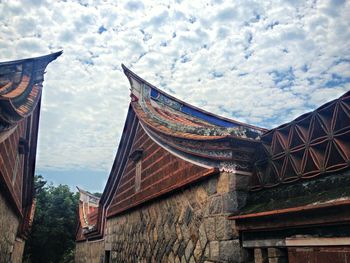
(20, 90)
(185, 131)
(189, 132)
(88, 207)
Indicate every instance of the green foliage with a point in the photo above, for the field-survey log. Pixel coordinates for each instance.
(52, 238)
(97, 194)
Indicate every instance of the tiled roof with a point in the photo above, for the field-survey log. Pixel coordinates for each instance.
(315, 143)
(20, 90)
(88, 209)
(196, 135)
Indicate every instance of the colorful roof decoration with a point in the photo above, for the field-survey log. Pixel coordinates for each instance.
(315, 143)
(197, 144)
(20, 90)
(20, 98)
(88, 207)
(192, 133)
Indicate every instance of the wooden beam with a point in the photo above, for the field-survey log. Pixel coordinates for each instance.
(264, 243)
(317, 241)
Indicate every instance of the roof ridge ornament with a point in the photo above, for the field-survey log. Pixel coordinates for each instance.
(167, 120)
(20, 90)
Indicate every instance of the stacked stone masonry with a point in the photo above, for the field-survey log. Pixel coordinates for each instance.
(187, 226)
(10, 249)
(89, 252)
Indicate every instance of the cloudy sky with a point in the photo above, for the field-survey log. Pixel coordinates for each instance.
(261, 62)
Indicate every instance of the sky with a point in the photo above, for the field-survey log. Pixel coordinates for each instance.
(259, 62)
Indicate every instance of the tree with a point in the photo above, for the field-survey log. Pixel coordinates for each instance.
(52, 238)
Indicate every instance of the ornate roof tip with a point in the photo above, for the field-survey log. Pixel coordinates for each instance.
(48, 58)
(125, 69)
(83, 192)
(57, 54)
(21, 83)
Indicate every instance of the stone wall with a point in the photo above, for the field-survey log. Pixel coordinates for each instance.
(18, 250)
(8, 228)
(89, 252)
(187, 226)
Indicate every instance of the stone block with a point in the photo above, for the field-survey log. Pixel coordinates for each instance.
(181, 249)
(179, 232)
(8, 228)
(239, 182)
(197, 252)
(223, 228)
(176, 246)
(185, 232)
(233, 201)
(230, 250)
(215, 206)
(210, 228)
(207, 252)
(214, 252)
(171, 258)
(211, 185)
(188, 215)
(201, 196)
(189, 250)
(223, 183)
(202, 235)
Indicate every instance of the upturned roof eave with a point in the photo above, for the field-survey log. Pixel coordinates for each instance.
(52, 56)
(128, 72)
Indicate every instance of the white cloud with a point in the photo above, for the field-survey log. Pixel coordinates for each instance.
(263, 62)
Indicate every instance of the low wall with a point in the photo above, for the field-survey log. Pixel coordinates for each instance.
(18, 250)
(89, 252)
(9, 250)
(188, 226)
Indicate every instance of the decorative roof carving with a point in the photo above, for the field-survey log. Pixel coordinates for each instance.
(20, 90)
(180, 128)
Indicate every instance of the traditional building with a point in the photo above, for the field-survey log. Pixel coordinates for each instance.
(189, 186)
(20, 97)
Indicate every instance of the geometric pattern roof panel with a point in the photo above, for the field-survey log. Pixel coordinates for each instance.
(313, 144)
